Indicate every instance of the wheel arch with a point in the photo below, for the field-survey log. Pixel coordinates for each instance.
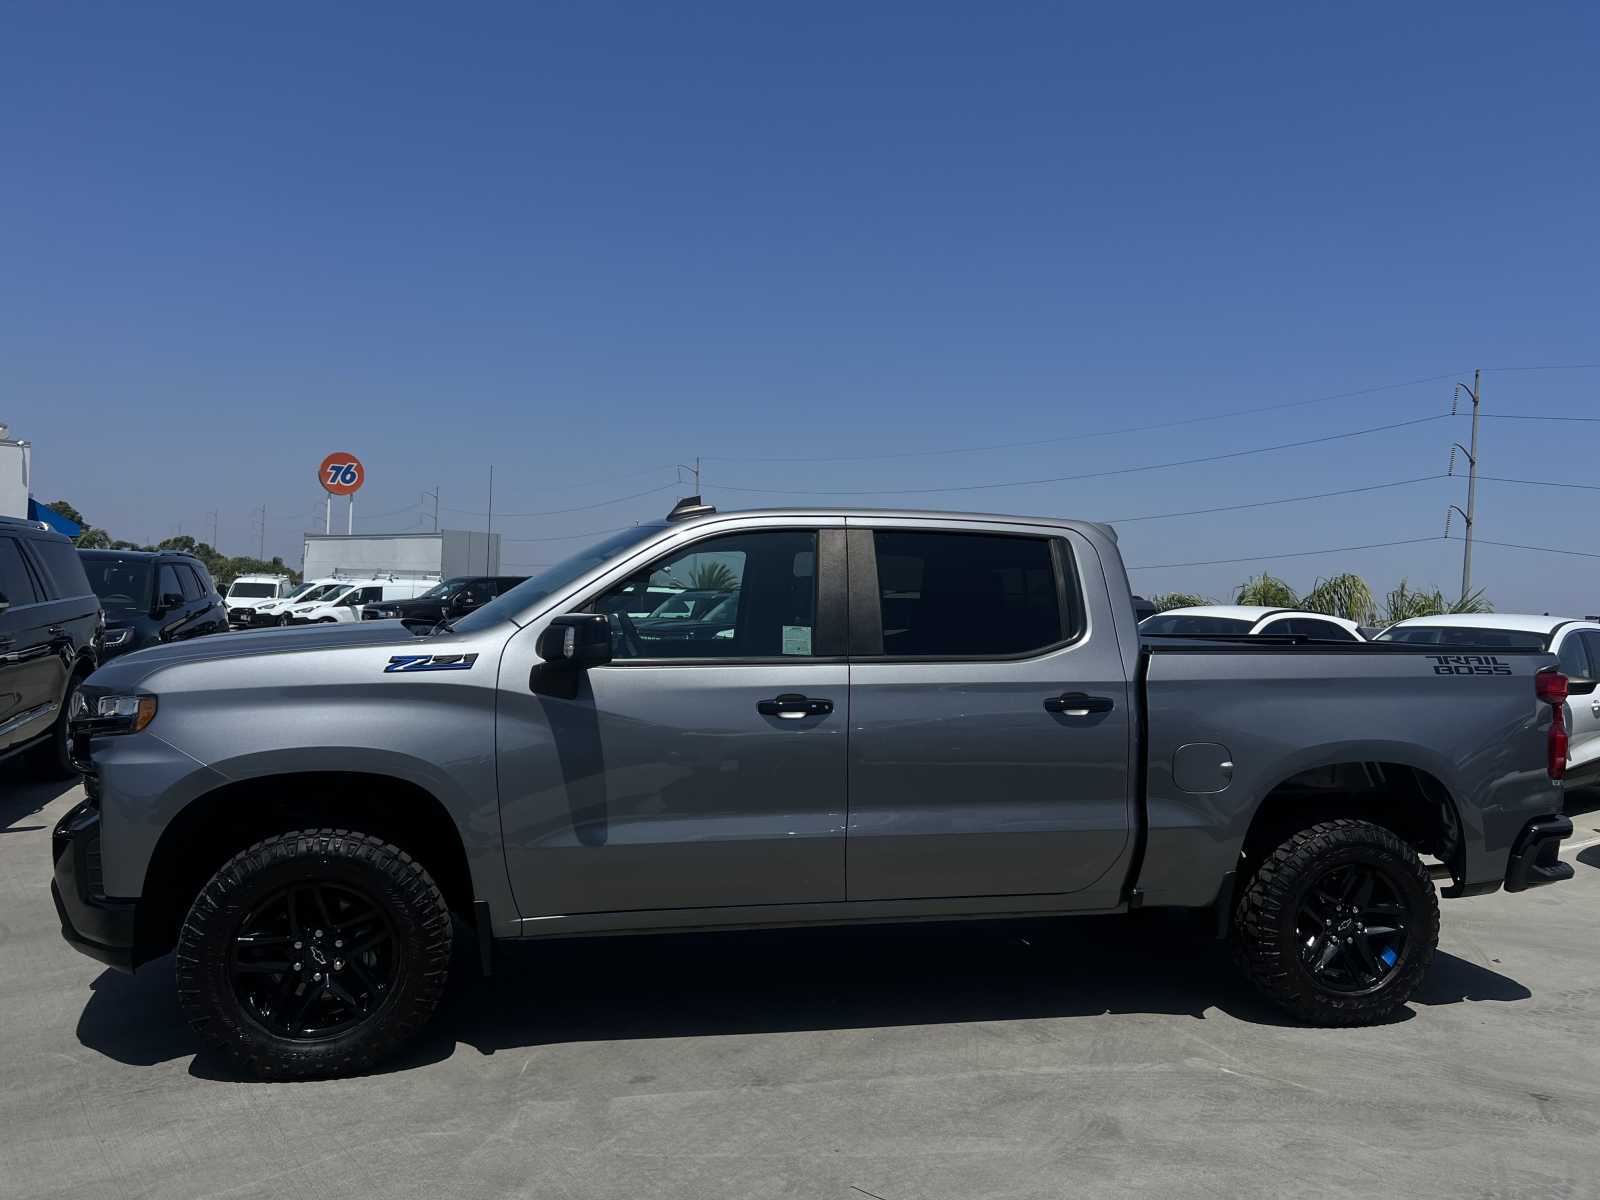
(218, 823)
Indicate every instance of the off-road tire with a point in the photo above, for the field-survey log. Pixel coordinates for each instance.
(1265, 943)
(388, 877)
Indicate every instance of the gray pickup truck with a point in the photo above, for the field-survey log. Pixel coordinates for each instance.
(886, 716)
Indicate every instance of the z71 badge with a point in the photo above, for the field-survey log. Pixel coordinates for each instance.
(1468, 664)
(404, 663)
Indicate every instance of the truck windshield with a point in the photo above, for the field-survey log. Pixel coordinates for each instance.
(1464, 635)
(1179, 623)
(252, 590)
(536, 587)
(440, 591)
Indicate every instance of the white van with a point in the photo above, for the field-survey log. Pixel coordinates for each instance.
(345, 601)
(249, 592)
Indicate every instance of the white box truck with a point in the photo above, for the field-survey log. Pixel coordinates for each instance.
(440, 555)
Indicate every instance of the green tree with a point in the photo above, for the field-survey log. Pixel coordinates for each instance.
(1406, 602)
(69, 512)
(1166, 600)
(713, 577)
(1267, 591)
(1346, 596)
(93, 539)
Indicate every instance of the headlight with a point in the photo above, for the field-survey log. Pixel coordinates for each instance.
(114, 714)
(112, 638)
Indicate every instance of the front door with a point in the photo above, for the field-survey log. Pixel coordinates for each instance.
(990, 721)
(705, 765)
(32, 675)
(1578, 658)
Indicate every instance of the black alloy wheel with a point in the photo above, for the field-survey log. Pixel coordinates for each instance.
(1351, 926)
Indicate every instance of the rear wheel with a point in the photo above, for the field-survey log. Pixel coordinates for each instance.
(317, 952)
(1339, 923)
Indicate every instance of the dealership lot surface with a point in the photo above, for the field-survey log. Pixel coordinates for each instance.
(1010, 1059)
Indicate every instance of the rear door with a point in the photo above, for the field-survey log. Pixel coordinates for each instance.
(990, 721)
(32, 674)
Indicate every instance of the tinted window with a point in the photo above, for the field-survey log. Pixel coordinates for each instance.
(1184, 623)
(16, 585)
(1306, 627)
(969, 595)
(1450, 635)
(190, 582)
(1572, 660)
(251, 591)
(1591, 641)
(63, 573)
(167, 585)
(366, 595)
(120, 582)
(762, 600)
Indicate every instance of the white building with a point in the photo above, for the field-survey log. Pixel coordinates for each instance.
(446, 553)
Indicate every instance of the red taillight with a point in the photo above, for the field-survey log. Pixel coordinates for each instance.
(1556, 747)
(1550, 686)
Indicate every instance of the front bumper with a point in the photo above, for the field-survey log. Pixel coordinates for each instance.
(90, 922)
(241, 618)
(1535, 858)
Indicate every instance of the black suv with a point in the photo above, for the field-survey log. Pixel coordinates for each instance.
(448, 600)
(152, 597)
(49, 623)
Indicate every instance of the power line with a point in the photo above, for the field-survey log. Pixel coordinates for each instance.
(1182, 462)
(1551, 367)
(552, 512)
(1541, 549)
(1587, 487)
(568, 537)
(1211, 562)
(1195, 512)
(1073, 437)
(378, 516)
(1528, 417)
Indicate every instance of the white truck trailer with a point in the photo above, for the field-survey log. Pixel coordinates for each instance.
(442, 554)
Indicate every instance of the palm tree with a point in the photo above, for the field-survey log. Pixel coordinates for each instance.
(1346, 596)
(1167, 600)
(1267, 591)
(713, 577)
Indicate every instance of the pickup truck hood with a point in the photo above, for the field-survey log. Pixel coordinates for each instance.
(131, 668)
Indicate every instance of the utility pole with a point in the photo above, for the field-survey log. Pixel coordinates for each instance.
(435, 495)
(695, 469)
(1471, 511)
(214, 529)
(488, 535)
(261, 551)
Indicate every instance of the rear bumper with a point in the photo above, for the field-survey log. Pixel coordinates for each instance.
(90, 922)
(1535, 858)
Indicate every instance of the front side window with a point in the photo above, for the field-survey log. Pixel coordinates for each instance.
(754, 596)
(967, 595)
(16, 585)
(1308, 627)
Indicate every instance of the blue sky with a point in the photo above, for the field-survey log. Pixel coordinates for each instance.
(586, 242)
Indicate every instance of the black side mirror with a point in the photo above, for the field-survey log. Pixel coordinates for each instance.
(576, 640)
(167, 603)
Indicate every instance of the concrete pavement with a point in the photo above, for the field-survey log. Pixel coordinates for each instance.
(1099, 1057)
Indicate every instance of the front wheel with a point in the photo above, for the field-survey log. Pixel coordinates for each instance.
(314, 953)
(1339, 923)
(53, 759)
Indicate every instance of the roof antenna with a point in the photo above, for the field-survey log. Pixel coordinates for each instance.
(690, 506)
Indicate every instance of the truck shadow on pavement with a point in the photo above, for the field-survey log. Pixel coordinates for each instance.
(670, 986)
(27, 796)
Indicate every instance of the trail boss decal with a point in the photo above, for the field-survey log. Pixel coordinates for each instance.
(1468, 664)
(405, 663)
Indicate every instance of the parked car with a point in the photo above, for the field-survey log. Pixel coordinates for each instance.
(276, 612)
(345, 602)
(151, 597)
(1252, 621)
(248, 592)
(1575, 642)
(452, 598)
(301, 815)
(49, 626)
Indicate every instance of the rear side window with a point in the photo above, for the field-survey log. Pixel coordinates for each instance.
(1450, 635)
(168, 589)
(63, 570)
(967, 595)
(1181, 623)
(190, 582)
(16, 585)
(1573, 658)
(1591, 643)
